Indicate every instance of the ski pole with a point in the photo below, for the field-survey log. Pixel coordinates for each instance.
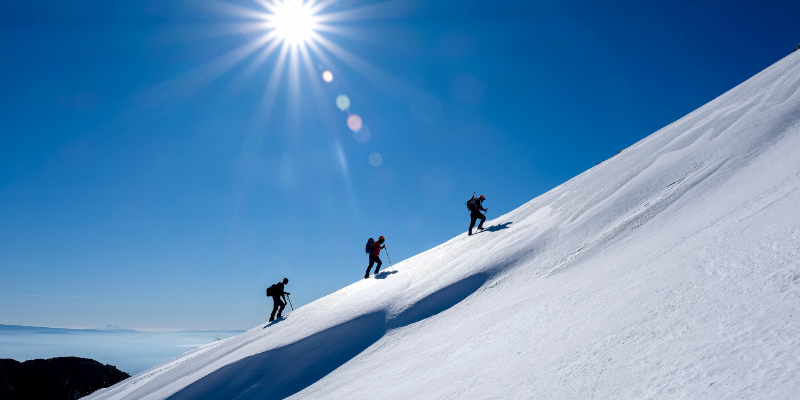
(290, 301)
(389, 258)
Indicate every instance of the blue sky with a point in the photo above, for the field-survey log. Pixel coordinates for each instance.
(150, 178)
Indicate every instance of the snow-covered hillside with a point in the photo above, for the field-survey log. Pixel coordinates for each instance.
(671, 270)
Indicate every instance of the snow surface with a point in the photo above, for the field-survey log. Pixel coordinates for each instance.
(668, 271)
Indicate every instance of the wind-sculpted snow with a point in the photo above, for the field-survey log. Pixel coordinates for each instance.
(640, 216)
(281, 372)
(671, 270)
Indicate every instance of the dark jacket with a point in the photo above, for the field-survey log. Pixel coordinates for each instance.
(279, 290)
(479, 204)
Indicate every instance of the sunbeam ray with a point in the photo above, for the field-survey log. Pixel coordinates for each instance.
(326, 112)
(319, 6)
(251, 145)
(259, 60)
(242, 11)
(397, 88)
(294, 84)
(197, 78)
(388, 9)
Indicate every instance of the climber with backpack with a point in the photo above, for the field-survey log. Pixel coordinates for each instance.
(374, 250)
(475, 206)
(276, 291)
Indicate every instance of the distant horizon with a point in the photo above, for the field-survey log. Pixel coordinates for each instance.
(132, 351)
(115, 327)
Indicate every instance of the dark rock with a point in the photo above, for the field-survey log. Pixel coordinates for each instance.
(56, 378)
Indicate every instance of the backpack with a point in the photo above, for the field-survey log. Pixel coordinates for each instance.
(471, 203)
(370, 245)
(271, 290)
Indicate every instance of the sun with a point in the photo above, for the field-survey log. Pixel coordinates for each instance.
(293, 21)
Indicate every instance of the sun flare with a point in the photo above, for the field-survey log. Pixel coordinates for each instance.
(291, 44)
(294, 21)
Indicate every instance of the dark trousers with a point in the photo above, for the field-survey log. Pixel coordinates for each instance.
(278, 306)
(473, 216)
(373, 259)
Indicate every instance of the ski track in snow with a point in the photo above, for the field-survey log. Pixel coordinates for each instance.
(668, 271)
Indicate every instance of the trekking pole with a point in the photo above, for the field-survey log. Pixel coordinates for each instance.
(389, 258)
(290, 301)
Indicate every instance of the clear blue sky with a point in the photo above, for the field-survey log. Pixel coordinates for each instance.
(152, 176)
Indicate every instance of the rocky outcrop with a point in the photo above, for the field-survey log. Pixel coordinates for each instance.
(56, 378)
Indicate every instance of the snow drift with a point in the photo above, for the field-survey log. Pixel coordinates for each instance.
(668, 271)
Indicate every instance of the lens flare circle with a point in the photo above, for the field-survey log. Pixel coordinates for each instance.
(343, 102)
(363, 135)
(375, 159)
(294, 21)
(354, 122)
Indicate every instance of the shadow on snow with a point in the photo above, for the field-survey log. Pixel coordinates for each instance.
(495, 228)
(284, 371)
(384, 274)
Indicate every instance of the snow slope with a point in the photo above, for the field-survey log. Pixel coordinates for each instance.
(668, 271)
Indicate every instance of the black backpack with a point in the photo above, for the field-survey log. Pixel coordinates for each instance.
(370, 245)
(272, 289)
(471, 203)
